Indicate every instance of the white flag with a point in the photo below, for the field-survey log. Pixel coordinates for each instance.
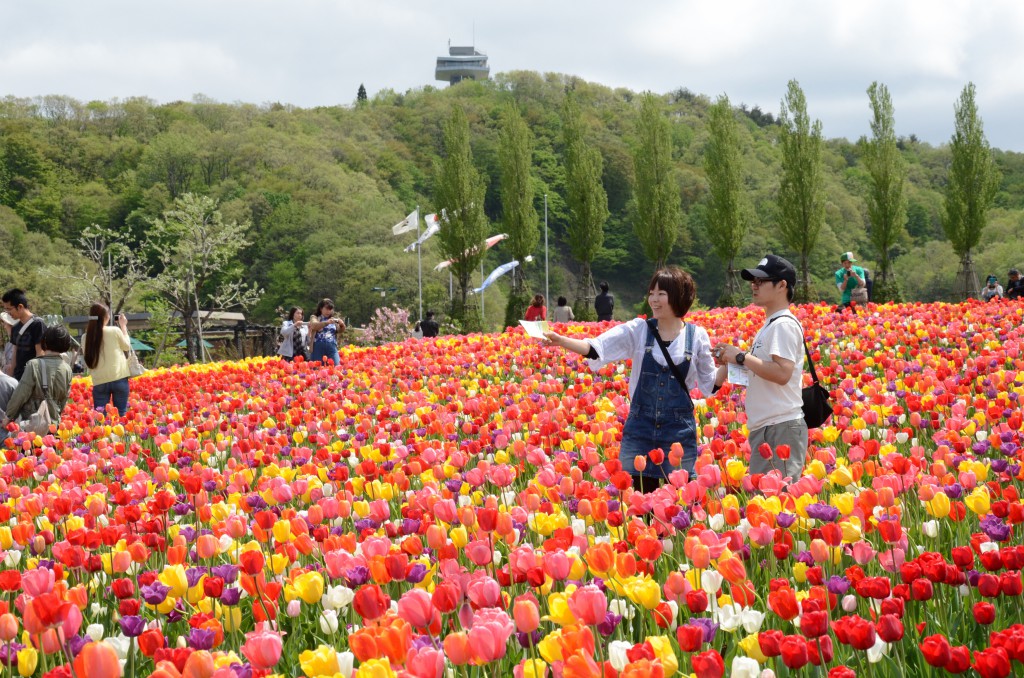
(433, 226)
(410, 223)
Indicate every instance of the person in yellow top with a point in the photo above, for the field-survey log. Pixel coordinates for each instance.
(104, 349)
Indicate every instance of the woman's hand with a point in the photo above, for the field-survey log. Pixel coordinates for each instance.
(553, 338)
(122, 321)
(340, 324)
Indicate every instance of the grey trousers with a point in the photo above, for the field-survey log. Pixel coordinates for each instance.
(792, 433)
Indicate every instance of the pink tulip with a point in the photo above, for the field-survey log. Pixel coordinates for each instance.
(863, 553)
(37, 581)
(262, 648)
(588, 604)
(479, 552)
(484, 592)
(556, 565)
(426, 662)
(416, 608)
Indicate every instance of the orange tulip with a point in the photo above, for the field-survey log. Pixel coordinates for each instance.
(99, 659)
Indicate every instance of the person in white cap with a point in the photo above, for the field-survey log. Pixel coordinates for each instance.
(851, 282)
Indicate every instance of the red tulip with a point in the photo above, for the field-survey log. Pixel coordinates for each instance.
(708, 664)
(889, 628)
(1010, 583)
(992, 662)
(690, 637)
(988, 585)
(370, 602)
(783, 603)
(936, 650)
(814, 624)
(959, 659)
(770, 642)
(794, 652)
(820, 650)
(251, 562)
(697, 600)
(984, 613)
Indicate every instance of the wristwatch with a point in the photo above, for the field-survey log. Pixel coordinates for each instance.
(741, 357)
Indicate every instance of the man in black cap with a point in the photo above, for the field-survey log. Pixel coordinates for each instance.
(1014, 286)
(774, 369)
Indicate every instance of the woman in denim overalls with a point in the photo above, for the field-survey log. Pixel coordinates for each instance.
(324, 327)
(661, 411)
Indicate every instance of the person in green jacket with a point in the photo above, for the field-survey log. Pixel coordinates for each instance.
(28, 396)
(851, 282)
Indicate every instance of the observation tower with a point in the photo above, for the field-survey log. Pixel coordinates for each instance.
(462, 63)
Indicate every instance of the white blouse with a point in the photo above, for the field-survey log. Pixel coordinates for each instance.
(628, 340)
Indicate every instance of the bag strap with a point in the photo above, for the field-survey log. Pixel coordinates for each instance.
(810, 363)
(653, 328)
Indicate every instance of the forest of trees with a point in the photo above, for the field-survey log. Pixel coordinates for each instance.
(316, 191)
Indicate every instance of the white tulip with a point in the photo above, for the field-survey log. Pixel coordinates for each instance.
(617, 654)
(329, 622)
(745, 667)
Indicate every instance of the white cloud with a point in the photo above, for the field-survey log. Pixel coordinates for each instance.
(316, 52)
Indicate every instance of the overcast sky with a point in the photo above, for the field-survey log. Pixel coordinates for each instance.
(317, 52)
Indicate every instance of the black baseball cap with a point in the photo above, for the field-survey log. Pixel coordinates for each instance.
(771, 267)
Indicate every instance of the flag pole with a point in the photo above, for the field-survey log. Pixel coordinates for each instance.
(419, 258)
(547, 292)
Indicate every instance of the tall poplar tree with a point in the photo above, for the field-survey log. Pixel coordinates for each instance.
(970, 189)
(587, 201)
(887, 204)
(728, 216)
(801, 198)
(655, 194)
(518, 213)
(460, 193)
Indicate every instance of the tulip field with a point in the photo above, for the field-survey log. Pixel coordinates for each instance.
(456, 507)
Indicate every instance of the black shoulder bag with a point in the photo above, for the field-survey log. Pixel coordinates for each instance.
(817, 401)
(652, 327)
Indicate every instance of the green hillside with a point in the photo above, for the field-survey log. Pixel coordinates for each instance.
(322, 188)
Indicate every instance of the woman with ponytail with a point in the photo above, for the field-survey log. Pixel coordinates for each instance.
(105, 347)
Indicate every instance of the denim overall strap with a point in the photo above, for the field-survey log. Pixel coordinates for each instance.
(661, 414)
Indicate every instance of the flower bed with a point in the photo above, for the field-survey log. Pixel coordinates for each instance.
(457, 506)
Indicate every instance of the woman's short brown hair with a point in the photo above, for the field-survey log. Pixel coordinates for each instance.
(679, 285)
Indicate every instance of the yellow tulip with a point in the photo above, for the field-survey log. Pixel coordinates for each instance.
(174, 576)
(938, 506)
(282, 531)
(309, 587)
(558, 609)
(550, 647)
(375, 668)
(323, 661)
(752, 648)
(663, 651)
(534, 668)
(645, 592)
(28, 660)
(459, 536)
(978, 501)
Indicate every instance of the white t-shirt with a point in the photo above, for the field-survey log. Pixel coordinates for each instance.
(769, 403)
(629, 340)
